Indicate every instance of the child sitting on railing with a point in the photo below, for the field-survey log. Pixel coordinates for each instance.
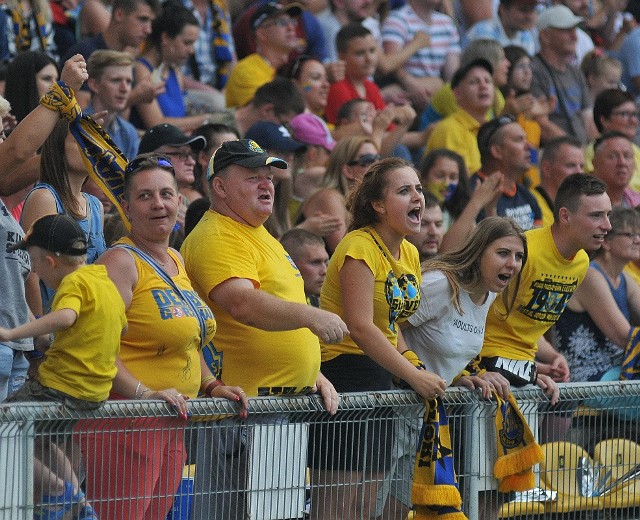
(88, 317)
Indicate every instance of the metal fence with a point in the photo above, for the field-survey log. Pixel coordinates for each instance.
(291, 460)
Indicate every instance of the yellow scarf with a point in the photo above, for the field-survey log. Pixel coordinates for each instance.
(518, 451)
(103, 160)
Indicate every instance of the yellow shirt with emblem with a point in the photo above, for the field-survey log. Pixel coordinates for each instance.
(261, 362)
(547, 283)
(162, 345)
(81, 359)
(396, 293)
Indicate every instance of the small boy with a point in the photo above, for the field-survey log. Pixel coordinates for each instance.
(88, 318)
(359, 50)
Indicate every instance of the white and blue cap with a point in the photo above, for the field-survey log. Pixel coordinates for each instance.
(243, 152)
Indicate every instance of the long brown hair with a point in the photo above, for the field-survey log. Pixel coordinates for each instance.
(371, 189)
(462, 266)
(54, 168)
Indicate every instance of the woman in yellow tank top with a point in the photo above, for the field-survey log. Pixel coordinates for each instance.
(160, 355)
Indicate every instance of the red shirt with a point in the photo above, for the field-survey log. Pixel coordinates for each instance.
(343, 91)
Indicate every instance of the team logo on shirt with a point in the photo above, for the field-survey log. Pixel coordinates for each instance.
(403, 297)
(170, 305)
(549, 299)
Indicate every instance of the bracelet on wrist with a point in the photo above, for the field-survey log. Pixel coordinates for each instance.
(203, 383)
(208, 391)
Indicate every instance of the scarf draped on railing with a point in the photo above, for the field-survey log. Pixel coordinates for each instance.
(103, 160)
(518, 450)
(221, 38)
(435, 493)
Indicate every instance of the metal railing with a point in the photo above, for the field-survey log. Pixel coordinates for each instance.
(291, 460)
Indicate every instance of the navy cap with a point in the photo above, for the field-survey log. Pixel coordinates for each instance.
(168, 135)
(274, 137)
(273, 9)
(462, 72)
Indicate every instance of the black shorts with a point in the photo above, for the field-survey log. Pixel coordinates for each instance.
(354, 440)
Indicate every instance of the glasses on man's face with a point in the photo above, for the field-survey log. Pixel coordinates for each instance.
(148, 161)
(365, 160)
(181, 156)
(280, 22)
(627, 114)
(628, 234)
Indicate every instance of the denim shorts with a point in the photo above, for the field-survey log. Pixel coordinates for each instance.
(13, 370)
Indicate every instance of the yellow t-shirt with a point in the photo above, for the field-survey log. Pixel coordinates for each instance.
(396, 293)
(161, 346)
(547, 211)
(81, 359)
(459, 133)
(633, 271)
(261, 362)
(548, 281)
(248, 75)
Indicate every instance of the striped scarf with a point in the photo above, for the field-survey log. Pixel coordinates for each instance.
(631, 364)
(220, 42)
(103, 160)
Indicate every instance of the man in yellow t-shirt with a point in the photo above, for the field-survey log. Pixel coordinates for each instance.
(275, 31)
(556, 265)
(267, 339)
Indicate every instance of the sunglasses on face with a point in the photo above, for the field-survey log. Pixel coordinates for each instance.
(147, 161)
(365, 160)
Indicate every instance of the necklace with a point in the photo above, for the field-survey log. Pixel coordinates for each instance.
(163, 264)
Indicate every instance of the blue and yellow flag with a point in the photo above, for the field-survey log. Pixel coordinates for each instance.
(631, 364)
(103, 160)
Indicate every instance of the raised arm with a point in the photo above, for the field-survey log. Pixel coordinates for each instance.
(26, 138)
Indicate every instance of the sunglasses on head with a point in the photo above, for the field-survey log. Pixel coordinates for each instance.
(147, 161)
(365, 160)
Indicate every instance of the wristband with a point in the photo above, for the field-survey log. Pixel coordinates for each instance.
(60, 98)
(413, 358)
(211, 387)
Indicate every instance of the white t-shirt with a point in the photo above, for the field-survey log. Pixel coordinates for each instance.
(442, 338)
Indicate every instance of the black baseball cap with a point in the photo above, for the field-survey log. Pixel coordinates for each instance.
(169, 135)
(243, 152)
(273, 9)
(462, 72)
(58, 234)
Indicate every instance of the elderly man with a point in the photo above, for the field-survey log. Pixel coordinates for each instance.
(267, 337)
(613, 163)
(555, 75)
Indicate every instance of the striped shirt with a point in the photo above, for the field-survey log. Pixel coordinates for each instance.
(400, 28)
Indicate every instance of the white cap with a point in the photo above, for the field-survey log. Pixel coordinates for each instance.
(557, 17)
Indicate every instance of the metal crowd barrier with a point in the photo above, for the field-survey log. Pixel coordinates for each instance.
(291, 460)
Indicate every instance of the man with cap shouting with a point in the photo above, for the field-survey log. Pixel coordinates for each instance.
(274, 28)
(182, 150)
(554, 75)
(267, 338)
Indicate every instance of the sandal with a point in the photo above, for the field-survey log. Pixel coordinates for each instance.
(54, 507)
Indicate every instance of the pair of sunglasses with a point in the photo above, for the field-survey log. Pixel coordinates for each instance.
(365, 160)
